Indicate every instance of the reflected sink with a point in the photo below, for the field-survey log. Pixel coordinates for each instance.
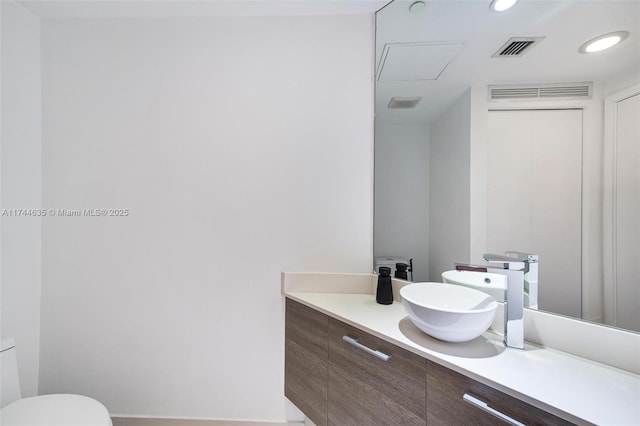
(448, 312)
(494, 285)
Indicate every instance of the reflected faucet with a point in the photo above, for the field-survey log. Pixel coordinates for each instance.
(530, 275)
(513, 269)
(530, 272)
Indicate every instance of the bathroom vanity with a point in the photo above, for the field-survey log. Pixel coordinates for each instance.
(334, 382)
(349, 360)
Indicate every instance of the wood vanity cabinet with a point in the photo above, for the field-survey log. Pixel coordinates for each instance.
(336, 374)
(305, 361)
(446, 406)
(336, 383)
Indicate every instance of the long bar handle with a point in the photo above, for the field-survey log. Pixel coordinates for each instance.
(485, 407)
(368, 350)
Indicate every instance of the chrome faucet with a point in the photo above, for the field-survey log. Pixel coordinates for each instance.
(513, 270)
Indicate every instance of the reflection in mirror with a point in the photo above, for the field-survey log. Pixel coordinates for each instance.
(494, 133)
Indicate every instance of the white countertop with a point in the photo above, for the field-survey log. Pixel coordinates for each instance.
(577, 389)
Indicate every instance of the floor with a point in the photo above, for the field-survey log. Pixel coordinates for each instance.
(128, 421)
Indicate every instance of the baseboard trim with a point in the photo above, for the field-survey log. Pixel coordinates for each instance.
(136, 420)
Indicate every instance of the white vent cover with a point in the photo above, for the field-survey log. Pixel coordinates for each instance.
(540, 92)
(516, 47)
(403, 103)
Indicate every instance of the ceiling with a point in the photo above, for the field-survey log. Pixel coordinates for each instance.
(196, 8)
(480, 32)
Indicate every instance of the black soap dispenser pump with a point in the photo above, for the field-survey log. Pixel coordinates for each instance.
(401, 271)
(384, 294)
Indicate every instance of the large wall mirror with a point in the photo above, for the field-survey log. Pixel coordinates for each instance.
(495, 131)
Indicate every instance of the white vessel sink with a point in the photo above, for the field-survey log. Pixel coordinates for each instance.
(448, 312)
(494, 285)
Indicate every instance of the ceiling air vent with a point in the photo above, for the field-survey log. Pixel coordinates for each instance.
(540, 92)
(403, 103)
(516, 47)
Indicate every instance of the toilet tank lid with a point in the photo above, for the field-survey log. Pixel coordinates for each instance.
(6, 344)
(56, 410)
(389, 260)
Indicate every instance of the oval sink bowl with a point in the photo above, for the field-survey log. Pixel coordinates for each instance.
(448, 312)
(494, 285)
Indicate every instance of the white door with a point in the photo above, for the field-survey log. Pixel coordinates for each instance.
(534, 198)
(627, 213)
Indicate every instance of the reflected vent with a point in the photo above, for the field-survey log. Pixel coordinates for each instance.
(582, 91)
(516, 46)
(403, 103)
(540, 92)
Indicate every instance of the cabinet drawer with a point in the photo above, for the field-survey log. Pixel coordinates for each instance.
(445, 404)
(367, 390)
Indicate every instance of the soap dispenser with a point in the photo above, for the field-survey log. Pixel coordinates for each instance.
(384, 294)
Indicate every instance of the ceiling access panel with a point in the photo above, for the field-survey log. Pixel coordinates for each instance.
(416, 61)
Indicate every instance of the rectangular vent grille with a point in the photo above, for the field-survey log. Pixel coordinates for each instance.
(516, 47)
(516, 93)
(565, 92)
(540, 92)
(403, 103)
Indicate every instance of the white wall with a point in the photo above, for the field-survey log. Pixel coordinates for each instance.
(242, 147)
(592, 202)
(479, 140)
(620, 82)
(401, 212)
(20, 153)
(449, 199)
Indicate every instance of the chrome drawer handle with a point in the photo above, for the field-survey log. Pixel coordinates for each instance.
(373, 352)
(485, 407)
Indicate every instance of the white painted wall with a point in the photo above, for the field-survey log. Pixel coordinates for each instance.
(479, 141)
(592, 252)
(20, 188)
(627, 212)
(449, 198)
(620, 82)
(242, 147)
(401, 212)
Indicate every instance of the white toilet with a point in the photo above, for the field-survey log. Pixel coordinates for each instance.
(44, 410)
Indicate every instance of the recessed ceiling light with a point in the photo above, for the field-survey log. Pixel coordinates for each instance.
(502, 5)
(417, 6)
(603, 42)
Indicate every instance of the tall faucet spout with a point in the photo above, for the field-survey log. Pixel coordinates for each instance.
(514, 270)
(514, 307)
(530, 275)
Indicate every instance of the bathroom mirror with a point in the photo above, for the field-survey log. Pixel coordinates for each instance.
(494, 132)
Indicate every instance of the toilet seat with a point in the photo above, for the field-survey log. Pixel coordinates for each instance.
(55, 410)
